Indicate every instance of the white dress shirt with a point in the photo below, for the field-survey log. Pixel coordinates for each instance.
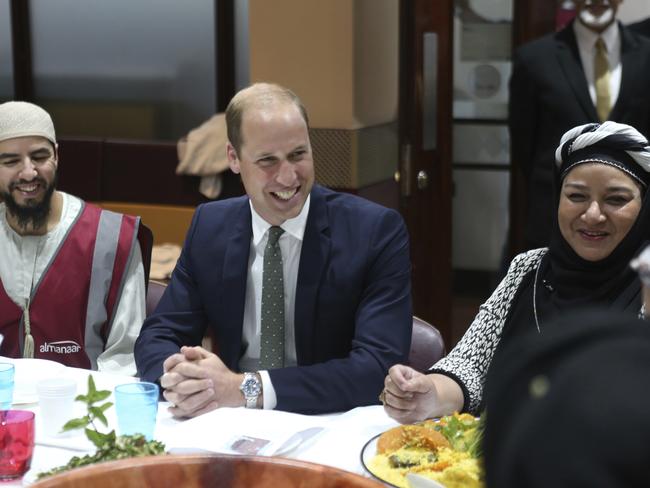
(586, 40)
(24, 258)
(290, 246)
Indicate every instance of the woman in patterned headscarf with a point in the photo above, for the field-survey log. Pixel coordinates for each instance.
(603, 221)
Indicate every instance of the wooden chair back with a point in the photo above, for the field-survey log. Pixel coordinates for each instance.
(427, 345)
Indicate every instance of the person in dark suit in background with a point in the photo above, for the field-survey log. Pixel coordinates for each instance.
(642, 27)
(563, 80)
(345, 313)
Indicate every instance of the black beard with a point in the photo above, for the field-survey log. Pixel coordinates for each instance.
(35, 214)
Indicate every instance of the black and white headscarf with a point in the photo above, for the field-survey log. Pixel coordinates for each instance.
(611, 143)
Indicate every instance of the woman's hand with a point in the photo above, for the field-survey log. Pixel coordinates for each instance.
(641, 264)
(410, 396)
(646, 301)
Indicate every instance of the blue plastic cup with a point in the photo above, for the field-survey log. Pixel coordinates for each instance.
(7, 371)
(136, 405)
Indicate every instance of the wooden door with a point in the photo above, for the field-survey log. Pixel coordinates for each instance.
(426, 81)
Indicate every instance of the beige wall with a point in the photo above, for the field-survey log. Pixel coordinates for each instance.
(633, 10)
(376, 60)
(339, 56)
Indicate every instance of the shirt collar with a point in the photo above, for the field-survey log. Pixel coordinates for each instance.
(587, 38)
(295, 226)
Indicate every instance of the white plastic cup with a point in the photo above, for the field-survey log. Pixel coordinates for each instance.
(56, 399)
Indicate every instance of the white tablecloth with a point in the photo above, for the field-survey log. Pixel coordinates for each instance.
(339, 444)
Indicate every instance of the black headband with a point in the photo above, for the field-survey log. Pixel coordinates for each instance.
(597, 153)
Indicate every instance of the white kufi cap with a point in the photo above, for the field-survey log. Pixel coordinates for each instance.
(23, 119)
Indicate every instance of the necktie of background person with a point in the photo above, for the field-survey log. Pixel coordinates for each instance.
(601, 78)
(272, 340)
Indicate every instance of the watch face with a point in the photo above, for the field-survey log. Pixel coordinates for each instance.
(251, 387)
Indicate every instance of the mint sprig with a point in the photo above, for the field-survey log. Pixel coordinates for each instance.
(95, 413)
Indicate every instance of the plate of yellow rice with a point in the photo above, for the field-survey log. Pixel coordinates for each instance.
(447, 450)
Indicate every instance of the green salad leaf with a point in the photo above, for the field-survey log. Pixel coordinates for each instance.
(463, 434)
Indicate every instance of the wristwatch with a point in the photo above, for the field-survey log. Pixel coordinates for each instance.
(251, 388)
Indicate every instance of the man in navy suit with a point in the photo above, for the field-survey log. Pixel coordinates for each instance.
(553, 89)
(346, 270)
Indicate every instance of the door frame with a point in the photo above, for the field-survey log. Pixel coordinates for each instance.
(427, 211)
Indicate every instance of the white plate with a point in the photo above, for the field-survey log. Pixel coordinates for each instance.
(419, 481)
(369, 451)
(28, 373)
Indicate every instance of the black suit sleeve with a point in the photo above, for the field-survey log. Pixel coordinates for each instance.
(179, 319)
(522, 117)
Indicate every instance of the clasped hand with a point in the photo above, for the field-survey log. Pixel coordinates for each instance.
(409, 396)
(196, 381)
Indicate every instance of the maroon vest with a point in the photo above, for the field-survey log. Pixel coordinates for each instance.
(72, 305)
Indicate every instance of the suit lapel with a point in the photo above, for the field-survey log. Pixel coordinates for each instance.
(235, 274)
(313, 258)
(632, 60)
(569, 59)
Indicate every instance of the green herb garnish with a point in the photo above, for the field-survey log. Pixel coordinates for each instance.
(109, 446)
(463, 434)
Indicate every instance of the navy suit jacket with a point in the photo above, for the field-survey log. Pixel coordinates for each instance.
(549, 95)
(353, 314)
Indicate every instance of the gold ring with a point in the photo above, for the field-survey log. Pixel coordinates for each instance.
(382, 397)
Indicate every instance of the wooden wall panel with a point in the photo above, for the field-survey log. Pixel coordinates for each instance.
(145, 173)
(80, 168)
(128, 171)
(532, 19)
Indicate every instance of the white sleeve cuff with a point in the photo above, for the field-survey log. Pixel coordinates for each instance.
(270, 400)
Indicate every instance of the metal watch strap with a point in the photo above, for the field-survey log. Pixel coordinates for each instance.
(251, 400)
